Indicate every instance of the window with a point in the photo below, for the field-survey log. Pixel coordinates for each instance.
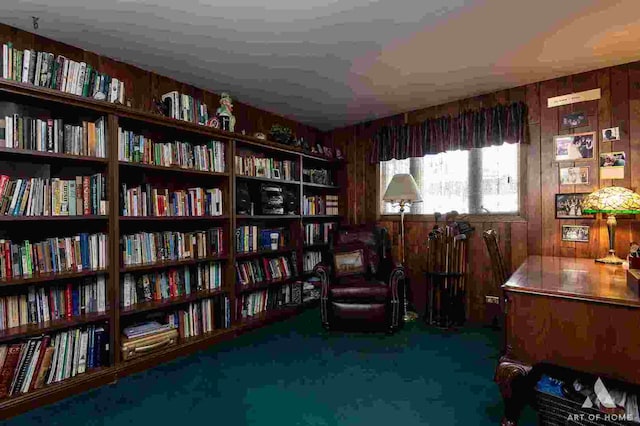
(478, 181)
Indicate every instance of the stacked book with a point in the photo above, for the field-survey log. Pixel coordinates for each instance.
(37, 362)
(262, 270)
(43, 69)
(145, 248)
(53, 303)
(310, 259)
(186, 108)
(250, 239)
(320, 205)
(134, 148)
(201, 317)
(269, 299)
(84, 195)
(317, 233)
(148, 201)
(54, 255)
(266, 167)
(170, 283)
(53, 135)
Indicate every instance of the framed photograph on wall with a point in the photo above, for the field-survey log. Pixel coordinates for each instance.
(575, 119)
(569, 206)
(579, 146)
(612, 165)
(574, 175)
(611, 134)
(575, 233)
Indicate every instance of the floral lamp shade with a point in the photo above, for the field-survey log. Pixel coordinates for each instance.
(612, 200)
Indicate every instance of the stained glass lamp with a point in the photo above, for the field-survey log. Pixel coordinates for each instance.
(612, 200)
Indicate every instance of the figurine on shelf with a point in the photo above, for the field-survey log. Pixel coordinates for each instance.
(225, 113)
(213, 122)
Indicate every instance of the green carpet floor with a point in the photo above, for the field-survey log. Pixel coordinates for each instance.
(293, 373)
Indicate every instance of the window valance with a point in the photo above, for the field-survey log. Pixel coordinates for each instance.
(471, 129)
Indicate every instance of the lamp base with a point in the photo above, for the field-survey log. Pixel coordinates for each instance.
(610, 259)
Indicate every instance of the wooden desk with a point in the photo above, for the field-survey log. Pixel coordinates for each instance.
(567, 312)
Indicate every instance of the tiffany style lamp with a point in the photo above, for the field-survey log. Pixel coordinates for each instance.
(612, 200)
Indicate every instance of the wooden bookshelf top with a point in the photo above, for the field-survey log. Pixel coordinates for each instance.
(50, 218)
(172, 169)
(267, 217)
(320, 185)
(264, 252)
(320, 216)
(52, 156)
(265, 179)
(171, 218)
(265, 284)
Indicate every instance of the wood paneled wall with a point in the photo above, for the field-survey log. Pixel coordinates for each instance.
(143, 86)
(537, 231)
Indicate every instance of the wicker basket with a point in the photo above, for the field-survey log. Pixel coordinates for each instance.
(555, 411)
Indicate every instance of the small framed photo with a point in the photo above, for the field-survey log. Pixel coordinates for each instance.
(576, 233)
(569, 206)
(275, 174)
(612, 165)
(575, 119)
(338, 154)
(611, 134)
(574, 175)
(327, 152)
(579, 146)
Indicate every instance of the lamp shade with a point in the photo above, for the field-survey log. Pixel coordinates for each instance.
(612, 200)
(402, 188)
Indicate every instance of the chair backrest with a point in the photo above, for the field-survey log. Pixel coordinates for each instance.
(497, 263)
(376, 241)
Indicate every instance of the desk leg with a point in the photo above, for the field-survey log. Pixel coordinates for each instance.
(512, 379)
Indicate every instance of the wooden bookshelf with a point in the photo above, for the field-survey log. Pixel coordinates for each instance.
(114, 225)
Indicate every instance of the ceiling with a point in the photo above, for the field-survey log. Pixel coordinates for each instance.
(333, 63)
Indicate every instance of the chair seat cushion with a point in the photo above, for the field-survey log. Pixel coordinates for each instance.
(359, 289)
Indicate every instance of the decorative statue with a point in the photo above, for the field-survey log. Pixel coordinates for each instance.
(225, 112)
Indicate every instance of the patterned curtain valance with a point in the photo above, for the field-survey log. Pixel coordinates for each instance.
(471, 129)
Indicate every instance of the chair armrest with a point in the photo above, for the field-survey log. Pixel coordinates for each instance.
(323, 271)
(396, 278)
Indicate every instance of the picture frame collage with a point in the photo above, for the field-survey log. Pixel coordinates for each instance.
(582, 149)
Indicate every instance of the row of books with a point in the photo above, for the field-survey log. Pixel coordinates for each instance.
(139, 149)
(250, 239)
(148, 201)
(186, 108)
(255, 302)
(54, 255)
(318, 233)
(320, 204)
(34, 363)
(170, 283)
(54, 302)
(201, 317)
(43, 69)
(262, 270)
(310, 259)
(84, 195)
(266, 167)
(154, 247)
(53, 135)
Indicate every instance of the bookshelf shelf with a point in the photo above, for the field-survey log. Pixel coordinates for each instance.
(181, 170)
(267, 217)
(319, 185)
(52, 156)
(264, 252)
(265, 284)
(320, 217)
(264, 179)
(171, 218)
(164, 303)
(51, 277)
(49, 326)
(50, 218)
(316, 246)
(168, 264)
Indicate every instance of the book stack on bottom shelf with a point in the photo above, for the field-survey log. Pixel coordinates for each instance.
(34, 363)
(147, 337)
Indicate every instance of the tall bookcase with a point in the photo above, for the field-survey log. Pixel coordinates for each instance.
(118, 312)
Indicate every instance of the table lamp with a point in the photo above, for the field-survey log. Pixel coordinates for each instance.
(612, 200)
(403, 190)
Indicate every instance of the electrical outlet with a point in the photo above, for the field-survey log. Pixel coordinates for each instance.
(492, 299)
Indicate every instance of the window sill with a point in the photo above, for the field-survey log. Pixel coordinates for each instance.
(471, 218)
